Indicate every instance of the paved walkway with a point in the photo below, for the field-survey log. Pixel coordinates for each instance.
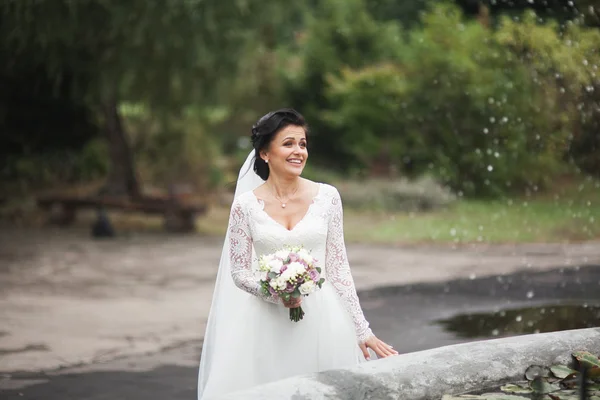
(67, 300)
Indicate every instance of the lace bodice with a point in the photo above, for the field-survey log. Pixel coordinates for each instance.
(320, 230)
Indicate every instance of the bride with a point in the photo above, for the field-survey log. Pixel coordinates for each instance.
(249, 337)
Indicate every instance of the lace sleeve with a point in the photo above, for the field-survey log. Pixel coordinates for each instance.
(240, 254)
(338, 269)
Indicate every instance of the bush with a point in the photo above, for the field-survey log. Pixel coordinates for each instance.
(484, 126)
(39, 171)
(481, 110)
(394, 195)
(565, 61)
(173, 150)
(360, 99)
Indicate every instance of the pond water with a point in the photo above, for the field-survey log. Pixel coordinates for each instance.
(523, 320)
(423, 316)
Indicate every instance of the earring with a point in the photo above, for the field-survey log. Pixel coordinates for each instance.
(267, 161)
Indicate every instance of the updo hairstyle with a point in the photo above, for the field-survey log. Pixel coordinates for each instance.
(265, 130)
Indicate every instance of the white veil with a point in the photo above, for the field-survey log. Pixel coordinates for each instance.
(226, 295)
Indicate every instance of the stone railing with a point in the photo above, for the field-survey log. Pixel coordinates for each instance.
(432, 373)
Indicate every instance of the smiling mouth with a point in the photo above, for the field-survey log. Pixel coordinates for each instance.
(296, 162)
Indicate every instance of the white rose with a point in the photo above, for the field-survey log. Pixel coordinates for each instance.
(307, 287)
(264, 274)
(305, 255)
(281, 283)
(275, 265)
(297, 268)
(282, 254)
(263, 264)
(288, 274)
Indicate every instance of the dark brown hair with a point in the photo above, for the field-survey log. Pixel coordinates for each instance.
(265, 130)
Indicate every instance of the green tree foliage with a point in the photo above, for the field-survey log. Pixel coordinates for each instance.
(484, 104)
(408, 13)
(338, 34)
(256, 87)
(165, 55)
(484, 111)
(359, 99)
(565, 63)
(154, 51)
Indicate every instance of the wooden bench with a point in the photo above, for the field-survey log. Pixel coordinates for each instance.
(179, 215)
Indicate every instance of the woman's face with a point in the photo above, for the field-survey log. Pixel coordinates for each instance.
(287, 151)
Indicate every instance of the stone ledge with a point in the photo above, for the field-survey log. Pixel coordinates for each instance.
(429, 374)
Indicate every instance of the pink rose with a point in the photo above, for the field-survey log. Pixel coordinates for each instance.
(314, 275)
(290, 288)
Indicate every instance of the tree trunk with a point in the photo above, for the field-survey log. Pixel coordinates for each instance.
(122, 179)
(483, 16)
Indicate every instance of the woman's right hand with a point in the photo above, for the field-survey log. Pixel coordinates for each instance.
(293, 303)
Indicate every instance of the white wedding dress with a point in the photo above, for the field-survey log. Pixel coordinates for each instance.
(257, 343)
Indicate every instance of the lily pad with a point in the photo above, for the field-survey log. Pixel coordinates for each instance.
(540, 386)
(500, 396)
(586, 358)
(484, 396)
(562, 371)
(512, 388)
(562, 396)
(570, 383)
(593, 373)
(535, 371)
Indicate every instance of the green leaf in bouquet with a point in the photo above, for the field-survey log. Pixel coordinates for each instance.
(562, 371)
(272, 275)
(318, 269)
(321, 281)
(286, 296)
(586, 358)
(296, 293)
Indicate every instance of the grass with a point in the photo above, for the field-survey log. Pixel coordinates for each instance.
(569, 213)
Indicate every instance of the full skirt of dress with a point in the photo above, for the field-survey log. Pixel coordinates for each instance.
(259, 344)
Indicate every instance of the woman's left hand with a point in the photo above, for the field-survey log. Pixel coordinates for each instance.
(380, 348)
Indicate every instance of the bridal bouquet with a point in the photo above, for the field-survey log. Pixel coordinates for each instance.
(290, 273)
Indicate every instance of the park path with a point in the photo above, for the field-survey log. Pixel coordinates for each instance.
(66, 299)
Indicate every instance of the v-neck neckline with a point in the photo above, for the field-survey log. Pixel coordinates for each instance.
(261, 204)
